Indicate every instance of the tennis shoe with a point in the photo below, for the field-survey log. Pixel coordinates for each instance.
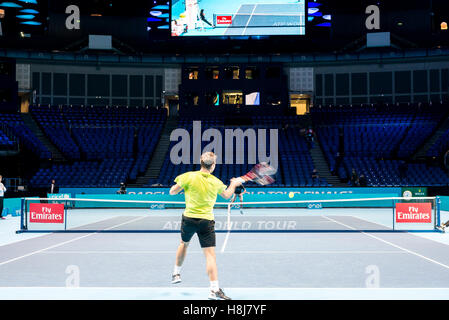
(176, 278)
(218, 295)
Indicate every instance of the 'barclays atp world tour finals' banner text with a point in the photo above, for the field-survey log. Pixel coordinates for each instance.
(252, 195)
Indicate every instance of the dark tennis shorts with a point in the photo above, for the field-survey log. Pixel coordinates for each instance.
(238, 191)
(205, 229)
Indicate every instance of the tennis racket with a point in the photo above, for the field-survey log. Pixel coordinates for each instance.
(261, 174)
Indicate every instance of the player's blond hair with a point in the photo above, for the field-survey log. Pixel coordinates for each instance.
(208, 159)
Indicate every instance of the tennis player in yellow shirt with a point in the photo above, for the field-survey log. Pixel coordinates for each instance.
(201, 189)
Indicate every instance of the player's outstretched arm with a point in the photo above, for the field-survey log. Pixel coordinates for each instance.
(227, 194)
(175, 189)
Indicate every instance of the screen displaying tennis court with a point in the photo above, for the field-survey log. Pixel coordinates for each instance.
(238, 17)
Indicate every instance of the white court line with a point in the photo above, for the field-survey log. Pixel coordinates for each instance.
(200, 293)
(232, 252)
(375, 223)
(223, 248)
(228, 234)
(238, 288)
(393, 245)
(419, 235)
(65, 242)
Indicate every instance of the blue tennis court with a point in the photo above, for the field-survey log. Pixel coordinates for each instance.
(341, 262)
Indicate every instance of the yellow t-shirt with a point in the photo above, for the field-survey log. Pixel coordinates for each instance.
(201, 190)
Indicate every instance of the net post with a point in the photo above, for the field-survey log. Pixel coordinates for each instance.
(22, 214)
(65, 214)
(393, 207)
(437, 211)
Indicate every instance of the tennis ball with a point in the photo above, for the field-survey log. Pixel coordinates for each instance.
(291, 195)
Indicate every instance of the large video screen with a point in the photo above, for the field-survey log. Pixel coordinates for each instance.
(238, 17)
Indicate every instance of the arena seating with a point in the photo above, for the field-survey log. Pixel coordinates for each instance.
(24, 135)
(109, 144)
(373, 138)
(440, 146)
(295, 161)
(52, 122)
(89, 174)
(5, 141)
(386, 173)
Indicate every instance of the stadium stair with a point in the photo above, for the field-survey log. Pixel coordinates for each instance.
(8, 142)
(421, 153)
(159, 154)
(322, 167)
(33, 126)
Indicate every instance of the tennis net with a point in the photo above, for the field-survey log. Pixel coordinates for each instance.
(313, 215)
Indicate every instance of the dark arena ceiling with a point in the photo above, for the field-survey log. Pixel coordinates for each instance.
(147, 26)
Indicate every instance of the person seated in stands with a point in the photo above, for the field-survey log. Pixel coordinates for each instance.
(122, 189)
(310, 134)
(354, 178)
(362, 181)
(53, 189)
(315, 175)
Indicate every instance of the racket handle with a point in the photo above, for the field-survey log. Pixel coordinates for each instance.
(241, 180)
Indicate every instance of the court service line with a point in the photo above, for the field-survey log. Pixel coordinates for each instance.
(228, 234)
(63, 243)
(393, 245)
